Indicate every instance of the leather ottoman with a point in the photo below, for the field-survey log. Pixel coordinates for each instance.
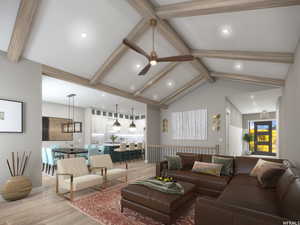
(155, 204)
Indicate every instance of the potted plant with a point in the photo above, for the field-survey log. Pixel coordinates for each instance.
(113, 138)
(248, 138)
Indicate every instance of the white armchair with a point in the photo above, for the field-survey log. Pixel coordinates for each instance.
(111, 173)
(73, 175)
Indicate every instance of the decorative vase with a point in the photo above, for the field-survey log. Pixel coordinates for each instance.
(16, 188)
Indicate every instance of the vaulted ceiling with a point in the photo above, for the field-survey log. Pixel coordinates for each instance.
(249, 41)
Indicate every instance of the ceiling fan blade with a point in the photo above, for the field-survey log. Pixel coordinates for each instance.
(145, 70)
(135, 47)
(179, 58)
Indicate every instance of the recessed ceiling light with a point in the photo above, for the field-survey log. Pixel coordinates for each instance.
(138, 65)
(83, 35)
(170, 83)
(155, 97)
(226, 31)
(103, 95)
(252, 97)
(238, 66)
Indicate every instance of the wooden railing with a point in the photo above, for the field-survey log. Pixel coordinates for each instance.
(156, 153)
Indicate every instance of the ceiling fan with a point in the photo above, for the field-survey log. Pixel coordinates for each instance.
(153, 57)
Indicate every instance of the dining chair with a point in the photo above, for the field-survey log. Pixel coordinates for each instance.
(57, 155)
(139, 148)
(52, 161)
(87, 147)
(92, 150)
(132, 152)
(101, 149)
(44, 160)
(123, 153)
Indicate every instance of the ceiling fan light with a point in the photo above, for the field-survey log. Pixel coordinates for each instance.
(153, 62)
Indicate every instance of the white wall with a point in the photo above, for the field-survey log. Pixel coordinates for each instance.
(152, 128)
(210, 96)
(234, 131)
(255, 116)
(60, 111)
(22, 81)
(290, 109)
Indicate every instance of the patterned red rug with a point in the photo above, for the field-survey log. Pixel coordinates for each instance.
(104, 207)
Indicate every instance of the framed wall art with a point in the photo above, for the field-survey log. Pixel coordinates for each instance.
(11, 116)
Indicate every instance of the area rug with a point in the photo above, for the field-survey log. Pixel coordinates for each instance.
(104, 207)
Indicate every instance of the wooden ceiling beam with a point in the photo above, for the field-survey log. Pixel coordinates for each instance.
(172, 97)
(134, 35)
(250, 79)
(69, 77)
(22, 28)
(156, 78)
(205, 7)
(146, 9)
(277, 57)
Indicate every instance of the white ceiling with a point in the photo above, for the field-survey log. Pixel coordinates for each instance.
(61, 23)
(261, 69)
(256, 102)
(275, 29)
(56, 91)
(56, 40)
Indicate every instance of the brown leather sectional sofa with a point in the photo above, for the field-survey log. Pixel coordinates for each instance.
(239, 199)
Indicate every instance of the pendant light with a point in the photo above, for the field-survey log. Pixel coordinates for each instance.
(132, 126)
(116, 125)
(71, 126)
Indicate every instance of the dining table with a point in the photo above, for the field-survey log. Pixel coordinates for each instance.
(70, 151)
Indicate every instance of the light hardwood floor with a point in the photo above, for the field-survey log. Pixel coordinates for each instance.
(44, 207)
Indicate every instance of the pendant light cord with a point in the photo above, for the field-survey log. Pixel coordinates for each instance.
(132, 114)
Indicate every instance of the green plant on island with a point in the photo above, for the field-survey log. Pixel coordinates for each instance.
(113, 138)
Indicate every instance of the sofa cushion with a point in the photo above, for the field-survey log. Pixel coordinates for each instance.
(290, 204)
(244, 164)
(174, 162)
(157, 200)
(263, 164)
(244, 191)
(207, 168)
(202, 180)
(227, 168)
(188, 159)
(206, 158)
(284, 182)
(268, 175)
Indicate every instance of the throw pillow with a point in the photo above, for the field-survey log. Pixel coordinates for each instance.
(268, 175)
(174, 162)
(207, 168)
(259, 163)
(227, 168)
